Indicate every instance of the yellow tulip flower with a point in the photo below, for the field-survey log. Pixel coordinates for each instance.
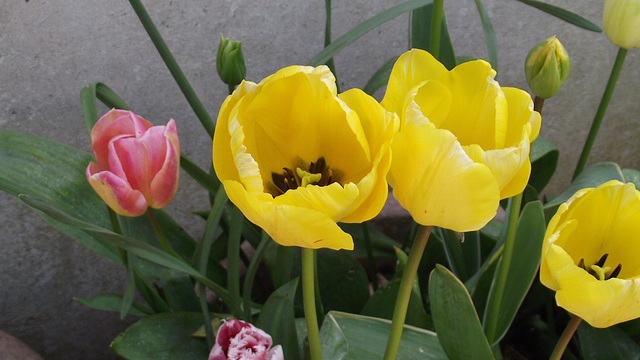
(463, 142)
(296, 157)
(591, 254)
(621, 22)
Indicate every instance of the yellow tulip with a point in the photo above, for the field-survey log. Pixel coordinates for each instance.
(296, 157)
(463, 142)
(590, 255)
(621, 22)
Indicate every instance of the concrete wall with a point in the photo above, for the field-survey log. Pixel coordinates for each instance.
(50, 49)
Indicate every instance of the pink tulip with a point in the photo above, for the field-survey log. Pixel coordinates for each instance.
(239, 340)
(137, 163)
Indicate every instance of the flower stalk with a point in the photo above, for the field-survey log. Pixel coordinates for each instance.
(436, 27)
(160, 235)
(404, 293)
(602, 108)
(566, 336)
(309, 301)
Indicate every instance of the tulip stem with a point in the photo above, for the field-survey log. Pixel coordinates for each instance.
(499, 287)
(173, 67)
(404, 293)
(604, 103)
(309, 300)
(566, 336)
(159, 234)
(436, 27)
(538, 102)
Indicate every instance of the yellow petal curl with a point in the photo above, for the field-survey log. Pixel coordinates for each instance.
(594, 222)
(287, 121)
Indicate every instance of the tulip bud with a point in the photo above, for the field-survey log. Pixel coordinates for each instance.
(547, 67)
(230, 62)
(137, 163)
(621, 22)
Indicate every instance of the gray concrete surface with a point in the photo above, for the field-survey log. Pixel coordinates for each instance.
(50, 49)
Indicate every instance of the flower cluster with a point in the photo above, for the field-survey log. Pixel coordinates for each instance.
(239, 340)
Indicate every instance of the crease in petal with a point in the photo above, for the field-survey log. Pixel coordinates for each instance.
(450, 190)
(333, 200)
(165, 183)
(248, 169)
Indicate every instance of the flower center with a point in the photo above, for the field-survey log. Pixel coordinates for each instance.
(317, 173)
(599, 271)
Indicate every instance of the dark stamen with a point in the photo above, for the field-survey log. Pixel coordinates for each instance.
(602, 260)
(615, 272)
(581, 264)
(289, 179)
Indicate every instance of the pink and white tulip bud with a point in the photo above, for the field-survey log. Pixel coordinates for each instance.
(239, 340)
(137, 163)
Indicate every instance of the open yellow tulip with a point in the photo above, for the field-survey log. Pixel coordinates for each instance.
(296, 157)
(591, 254)
(463, 142)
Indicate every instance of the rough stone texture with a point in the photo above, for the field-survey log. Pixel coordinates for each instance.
(50, 49)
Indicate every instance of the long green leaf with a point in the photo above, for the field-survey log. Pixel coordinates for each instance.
(521, 271)
(355, 337)
(137, 247)
(544, 160)
(489, 35)
(457, 324)
(364, 27)
(381, 77)
(112, 302)
(277, 318)
(606, 344)
(420, 34)
(563, 14)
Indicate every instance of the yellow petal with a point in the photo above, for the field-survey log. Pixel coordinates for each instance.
(602, 303)
(223, 159)
(297, 118)
(447, 189)
(289, 225)
(411, 68)
(523, 121)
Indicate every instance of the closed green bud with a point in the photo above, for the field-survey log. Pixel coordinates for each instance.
(547, 67)
(230, 62)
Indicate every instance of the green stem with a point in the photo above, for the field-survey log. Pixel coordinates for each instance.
(159, 234)
(173, 67)
(538, 102)
(597, 121)
(566, 336)
(404, 293)
(207, 316)
(436, 27)
(233, 255)
(231, 88)
(316, 289)
(503, 268)
(309, 300)
(251, 275)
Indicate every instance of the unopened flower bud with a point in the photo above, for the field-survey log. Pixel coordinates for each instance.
(621, 22)
(230, 62)
(547, 67)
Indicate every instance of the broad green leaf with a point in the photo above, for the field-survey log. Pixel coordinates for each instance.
(127, 299)
(278, 320)
(544, 160)
(521, 270)
(606, 344)
(382, 303)
(456, 321)
(563, 14)
(355, 337)
(54, 173)
(489, 35)
(420, 34)
(178, 289)
(632, 176)
(593, 176)
(163, 337)
(364, 27)
(381, 77)
(112, 302)
(344, 285)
